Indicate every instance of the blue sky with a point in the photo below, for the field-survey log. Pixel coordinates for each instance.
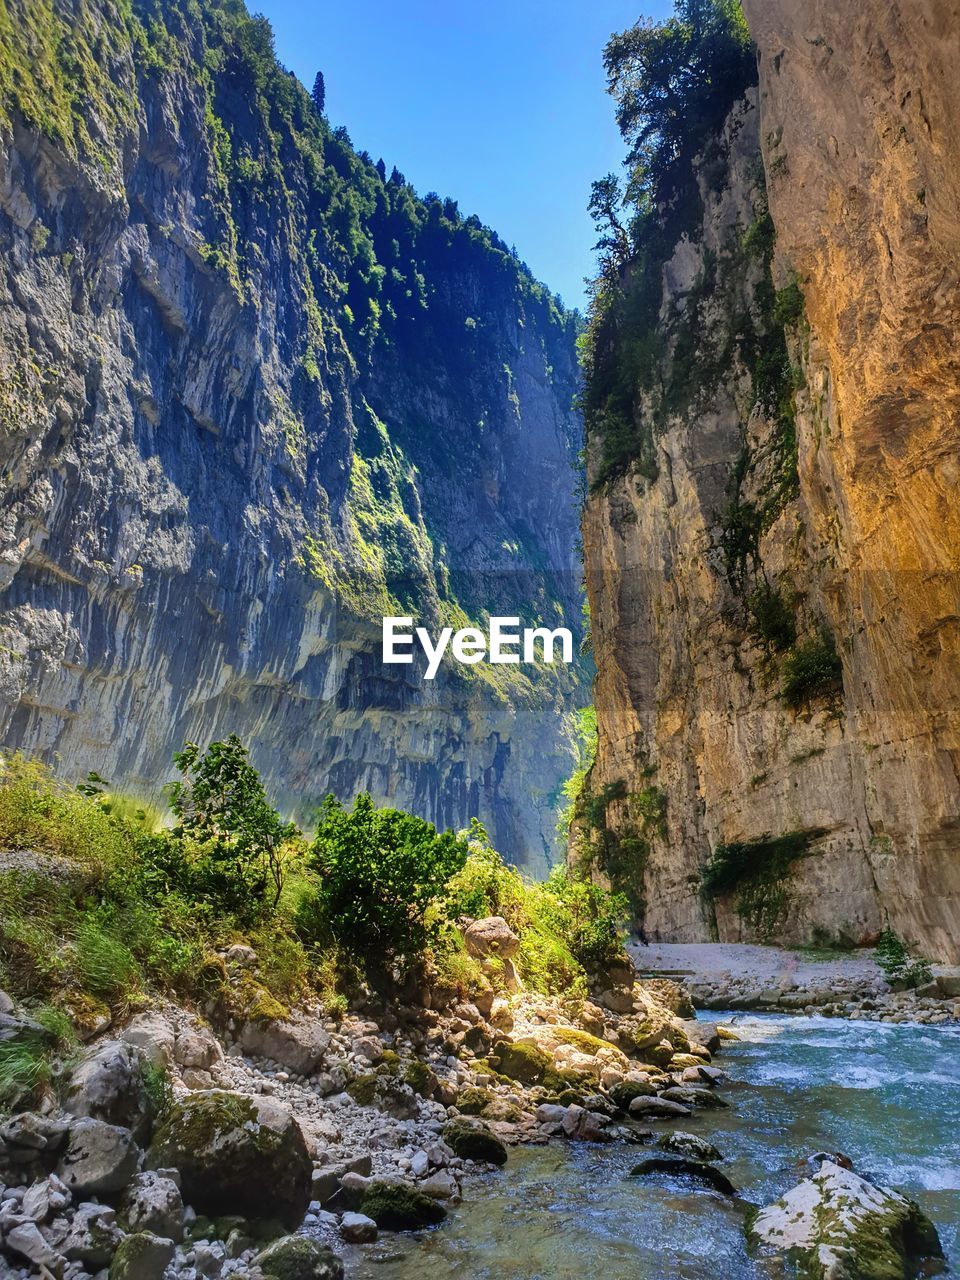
(500, 104)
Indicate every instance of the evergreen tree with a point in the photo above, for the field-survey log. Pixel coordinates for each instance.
(319, 94)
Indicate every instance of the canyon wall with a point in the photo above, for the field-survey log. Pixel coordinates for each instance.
(255, 394)
(775, 578)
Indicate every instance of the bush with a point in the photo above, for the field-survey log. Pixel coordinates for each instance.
(811, 672)
(379, 870)
(896, 962)
(233, 850)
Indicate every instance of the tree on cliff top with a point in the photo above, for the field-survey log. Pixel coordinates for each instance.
(319, 94)
(674, 82)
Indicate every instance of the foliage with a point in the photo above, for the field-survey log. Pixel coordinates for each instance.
(39, 812)
(565, 925)
(379, 870)
(811, 671)
(239, 838)
(772, 618)
(585, 743)
(32, 1057)
(756, 870)
(674, 83)
(897, 964)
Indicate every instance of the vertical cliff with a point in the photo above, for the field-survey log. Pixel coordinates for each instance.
(772, 536)
(254, 394)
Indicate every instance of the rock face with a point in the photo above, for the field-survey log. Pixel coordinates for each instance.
(838, 1226)
(773, 582)
(256, 396)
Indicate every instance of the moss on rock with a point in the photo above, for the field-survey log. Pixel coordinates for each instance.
(472, 1141)
(299, 1258)
(399, 1206)
(525, 1063)
(236, 1154)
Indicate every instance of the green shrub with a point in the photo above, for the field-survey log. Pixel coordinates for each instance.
(811, 672)
(32, 1057)
(772, 617)
(105, 966)
(224, 817)
(379, 870)
(897, 964)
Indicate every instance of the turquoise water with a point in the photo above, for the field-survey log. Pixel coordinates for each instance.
(887, 1096)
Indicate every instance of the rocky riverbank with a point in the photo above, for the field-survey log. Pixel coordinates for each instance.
(743, 977)
(177, 1151)
(334, 1130)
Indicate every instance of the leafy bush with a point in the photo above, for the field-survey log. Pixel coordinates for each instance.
(896, 962)
(379, 870)
(812, 671)
(772, 618)
(233, 848)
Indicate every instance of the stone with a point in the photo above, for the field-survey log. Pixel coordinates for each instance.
(154, 1203)
(441, 1185)
(28, 1133)
(45, 1198)
(491, 936)
(521, 1061)
(154, 1034)
(236, 1154)
(693, 1096)
(109, 1084)
(688, 1144)
(197, 1050)
(583, 1125)
(99, 1159)
(25, 1239)
(92, 1237)
(686, 1168)
(142, 1256)
(395, 1205)
(657, 1108)
(298, 1043)
(357, 1228)
(837, 1226)
(474, 1141)
(299, 1258)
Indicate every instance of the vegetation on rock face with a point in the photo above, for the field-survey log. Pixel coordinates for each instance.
(757, 871)
(812, 671)
(674, 83)
(99, 913)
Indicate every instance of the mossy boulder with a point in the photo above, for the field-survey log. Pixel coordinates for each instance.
(837, 1226)
(399, 1206)
(525, 1063)
(623, 1093)
(299, 1258)
(142, 1256)
(419, 1077)
(236, 1154)
(473, 1100)
(473, 1141)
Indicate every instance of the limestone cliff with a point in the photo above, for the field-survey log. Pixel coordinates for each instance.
(255, 393)
(773, 573)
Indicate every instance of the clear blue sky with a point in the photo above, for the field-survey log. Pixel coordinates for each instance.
(500, 104)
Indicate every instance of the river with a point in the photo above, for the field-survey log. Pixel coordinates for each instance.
(886, 1095)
